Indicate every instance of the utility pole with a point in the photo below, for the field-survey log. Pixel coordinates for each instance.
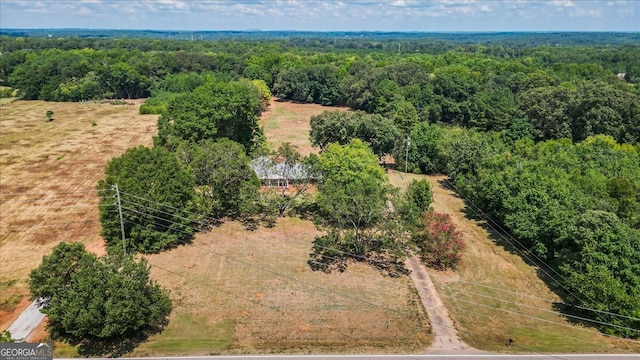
(406, 157)
(124, 246)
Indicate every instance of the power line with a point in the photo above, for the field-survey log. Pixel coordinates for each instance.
(160, 218)
(337, 293)
(547, 300)
(533, 317)
(539, 309)
(480, 213)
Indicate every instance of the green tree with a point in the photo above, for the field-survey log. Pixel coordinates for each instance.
(157, 201)
(352, 195)
(227, 185)
(422, 146)
(213, 111)
(418, 199)
(105, 306)
(600, 257)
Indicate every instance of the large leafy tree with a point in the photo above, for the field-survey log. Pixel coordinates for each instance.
(213, 111)
(341, 127)
(157, 200)
(227, 185)
(105, 306)
(352, 195)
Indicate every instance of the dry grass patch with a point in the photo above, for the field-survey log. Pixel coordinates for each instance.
(261, 283)
(495, 295)
(289, 122)
(48, 174)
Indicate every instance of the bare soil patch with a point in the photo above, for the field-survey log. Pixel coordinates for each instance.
(285, 121)
(495, 295)
(48, 176)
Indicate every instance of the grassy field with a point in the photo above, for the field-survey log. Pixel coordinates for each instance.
(48, 174)
(495, 295)
(258, 290)
(289, 122)
(234, 291)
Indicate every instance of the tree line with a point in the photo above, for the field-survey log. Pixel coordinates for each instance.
(547, 148)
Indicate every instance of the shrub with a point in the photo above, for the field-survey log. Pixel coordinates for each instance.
(438, 242)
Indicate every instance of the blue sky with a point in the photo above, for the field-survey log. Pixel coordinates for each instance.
(316, 15)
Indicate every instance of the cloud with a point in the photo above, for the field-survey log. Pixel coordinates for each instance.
(586, 12)
(83, 11)
(563, 3)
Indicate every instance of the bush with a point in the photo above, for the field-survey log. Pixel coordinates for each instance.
(157, 104)
(438, 242)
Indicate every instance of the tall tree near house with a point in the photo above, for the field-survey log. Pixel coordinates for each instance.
(151, 181)
(352, 194)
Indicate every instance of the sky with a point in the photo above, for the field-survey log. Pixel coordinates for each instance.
(316, 15)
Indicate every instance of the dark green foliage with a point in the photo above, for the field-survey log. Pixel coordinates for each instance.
(590, 109)
(213, 111)
(422, 143)
(572, 205)
(158, 196)
(227, 185)
(340, 127)
(105, 306)
(600, 257)
(314, 84)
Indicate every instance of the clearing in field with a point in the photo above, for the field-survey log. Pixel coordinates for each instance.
(289, 122)
(48, 174)
(234, 291)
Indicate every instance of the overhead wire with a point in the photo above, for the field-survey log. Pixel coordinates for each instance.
(502, 231)
(160, 218)
(337, 293)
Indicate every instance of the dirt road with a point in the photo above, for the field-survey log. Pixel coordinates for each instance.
(446, 337)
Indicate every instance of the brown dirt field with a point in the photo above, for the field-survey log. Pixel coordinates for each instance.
(260, 282)
(48, 176)
(487, 262)
(285, 121)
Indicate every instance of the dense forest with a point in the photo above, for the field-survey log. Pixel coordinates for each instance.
(539, 132)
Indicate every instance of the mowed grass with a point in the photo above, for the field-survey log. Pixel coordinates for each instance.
(495, 295)
(48, 175)
(259, 291)
(259, 287)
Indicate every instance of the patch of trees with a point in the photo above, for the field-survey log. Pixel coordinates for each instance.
(365, 219)
(573, 206)
(483, 87)
(213, 111)
(341, 127)
(148, 177)
(104, 305)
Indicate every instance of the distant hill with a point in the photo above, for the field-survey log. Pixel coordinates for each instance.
(512, 38)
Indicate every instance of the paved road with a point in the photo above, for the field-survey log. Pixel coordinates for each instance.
(400, 357)
(445, 334)
(28, 320)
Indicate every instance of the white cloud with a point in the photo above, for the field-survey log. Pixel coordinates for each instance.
(586, 12)
(563, 3)
(83, 11)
